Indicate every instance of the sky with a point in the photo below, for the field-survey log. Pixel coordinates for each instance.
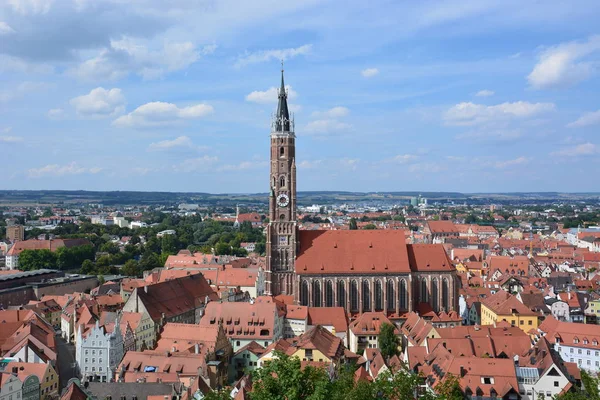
(398, 95)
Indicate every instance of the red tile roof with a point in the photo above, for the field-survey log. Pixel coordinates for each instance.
(359, 251)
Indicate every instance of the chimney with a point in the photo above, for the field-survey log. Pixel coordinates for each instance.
(463, 371)
(196, 348)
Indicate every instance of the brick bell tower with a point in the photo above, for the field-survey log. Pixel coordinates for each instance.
(282, 229)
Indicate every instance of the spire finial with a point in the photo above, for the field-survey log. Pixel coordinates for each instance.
(282, 65)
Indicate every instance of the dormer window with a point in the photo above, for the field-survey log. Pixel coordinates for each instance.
(575, 340)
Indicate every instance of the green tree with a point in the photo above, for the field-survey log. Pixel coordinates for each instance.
(218, 395)
(387, 341)
(449, 388)
(101, 280)
(131, 268)
(31, 260)
(283, 378)
(370, 227)
(353, 225)
(87, 267)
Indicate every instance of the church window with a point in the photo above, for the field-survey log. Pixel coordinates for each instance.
(341, 294)
(391, 295)
(316, 294)
(304, 293)
(424, 294)
(402, 295)
(281, 217)
(366, 296)
(353, 296)
(434, 295)
(378, 296)
(445, 294)
(281, 152)
(282, 181)
(274, 184)
(329, 293)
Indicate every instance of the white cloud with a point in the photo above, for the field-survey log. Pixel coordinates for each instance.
(128, 55)
(5, 29)
(243, 166)
(585, 149)
(28, 7)
(511, 163)
(403, 158)
(335, 112)
(325, 126)
(10, 139)
(196, 164)
(491, 134)
(22, 89)
(565, 64)
(55, 170)
(275, 54)
(179, 143)
(100, 103)
(465, 114)
(159, 113)
(310, 164)
(56, 113)
(484, 93)
(269, 96)
(369, 72)
(587, 119)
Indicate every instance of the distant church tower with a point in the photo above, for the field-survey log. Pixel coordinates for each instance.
(282, 230)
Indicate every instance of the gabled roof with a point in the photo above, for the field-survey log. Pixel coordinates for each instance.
(369, 323)
(319, 338)
(352, 252)
(176, 296)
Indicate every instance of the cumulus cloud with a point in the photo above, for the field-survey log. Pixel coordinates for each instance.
(335, 112)
(587, 119)
(403, 158)
(326, 126)
(275, 54)
(511, 163)
(565, 64)
(5, 29)
(269, 96)
(484, 93)
(179, 143)
(369, 72)
(243, 166)
(585, 149)
(129, 55)
(159, 113)
(196, 164)
(10, 139)
(55, 170)
(465, 114)
(100, 103)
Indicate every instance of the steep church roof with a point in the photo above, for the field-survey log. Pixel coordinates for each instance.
(352, 252)
(282, 122)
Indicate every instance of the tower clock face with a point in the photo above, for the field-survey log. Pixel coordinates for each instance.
(283, 200)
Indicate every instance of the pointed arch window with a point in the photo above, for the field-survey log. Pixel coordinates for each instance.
(354, 296)
(329, 293)
(366, 296)
(316, 294)
(378, 295)
(445, 299)
(341, 294)
(281, 151)
(434, 295)
(391, 296)
(424, 292)
(403, 295)
(282, 181)
(304, 293)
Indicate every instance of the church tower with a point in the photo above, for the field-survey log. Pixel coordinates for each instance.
(282, 230)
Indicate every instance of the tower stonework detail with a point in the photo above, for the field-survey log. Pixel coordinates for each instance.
(282, 229)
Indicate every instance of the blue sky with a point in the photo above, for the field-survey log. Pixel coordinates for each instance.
(465, 95)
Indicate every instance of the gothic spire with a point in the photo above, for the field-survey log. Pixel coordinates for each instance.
(282, 123)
